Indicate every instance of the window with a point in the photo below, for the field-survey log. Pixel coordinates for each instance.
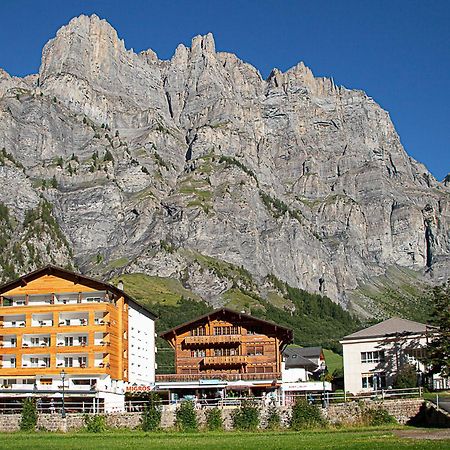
(13, 342)
(12, 361)
(198, 353)
(200, 331)
(373, 380)
(68, 361)
(125, 335)
(34, 362)
(225, 352)
(46, 361)
(223, 331)
(82, 340)
(46, 381)
(84, 381)
(68, 341)
(82, 361)
(372, 357)
(255, 350)
(416, 353)
(34, 341)
(46, 341)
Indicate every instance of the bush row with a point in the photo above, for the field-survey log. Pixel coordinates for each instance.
(245, 418)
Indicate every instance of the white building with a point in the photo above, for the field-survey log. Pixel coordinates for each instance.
(300, 372)
(374, 355)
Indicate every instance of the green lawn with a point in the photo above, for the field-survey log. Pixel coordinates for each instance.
(368, 439)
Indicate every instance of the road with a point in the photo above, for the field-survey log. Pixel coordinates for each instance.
(445, 404)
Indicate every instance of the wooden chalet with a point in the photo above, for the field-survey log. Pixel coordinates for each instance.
(227, 345)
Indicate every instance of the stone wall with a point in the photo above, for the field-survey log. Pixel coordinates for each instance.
(347, 413)
(350, 413)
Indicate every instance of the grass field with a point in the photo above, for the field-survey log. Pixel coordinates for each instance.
(367, 439)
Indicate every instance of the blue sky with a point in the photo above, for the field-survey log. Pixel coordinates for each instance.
(398, 51)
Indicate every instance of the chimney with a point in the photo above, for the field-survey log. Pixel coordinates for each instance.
(120, 285)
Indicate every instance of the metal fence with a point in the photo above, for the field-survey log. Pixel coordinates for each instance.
(96, 406)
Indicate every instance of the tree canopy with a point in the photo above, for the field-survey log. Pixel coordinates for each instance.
(438, 350)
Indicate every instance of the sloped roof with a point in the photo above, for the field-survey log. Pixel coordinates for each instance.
(390, 327)
(283, 332)
(309, 352)
(293, 358)
(76, 278)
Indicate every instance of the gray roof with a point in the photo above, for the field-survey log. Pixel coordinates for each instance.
(293, 358)
(389, 327)
(309, 352)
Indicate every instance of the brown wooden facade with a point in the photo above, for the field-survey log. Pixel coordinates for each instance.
(96, 315)
(226, 342)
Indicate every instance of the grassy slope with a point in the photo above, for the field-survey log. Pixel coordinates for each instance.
(349, 439)
(399, 292)
(155, 290)
(334, 360)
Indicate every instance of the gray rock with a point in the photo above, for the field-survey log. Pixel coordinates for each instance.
(343, 200)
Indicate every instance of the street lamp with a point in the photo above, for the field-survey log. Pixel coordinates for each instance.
(323, 367)
(63, 378)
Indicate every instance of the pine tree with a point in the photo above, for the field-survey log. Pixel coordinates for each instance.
(438, 350)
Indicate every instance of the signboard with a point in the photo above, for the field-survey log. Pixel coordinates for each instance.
(307, 386)
(139, 388)
(202, 381)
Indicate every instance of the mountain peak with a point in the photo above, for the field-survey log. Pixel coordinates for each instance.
(203, 44)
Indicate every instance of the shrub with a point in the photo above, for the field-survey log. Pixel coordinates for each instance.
(214, 420)
(375, 417)
(151, 416)
(29, 415)
(94, 423)
(273, 418)
(406, 377)
(305, 415)
(186, 417)
(246, 417)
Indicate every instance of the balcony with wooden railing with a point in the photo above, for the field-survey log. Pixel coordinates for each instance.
(230, 339)
(176, 377)
(225, 360)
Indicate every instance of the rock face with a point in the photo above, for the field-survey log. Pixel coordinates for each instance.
(155, 166)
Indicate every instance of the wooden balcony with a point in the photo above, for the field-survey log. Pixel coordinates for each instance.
(231, 339)
(236, 360)
(176, 377)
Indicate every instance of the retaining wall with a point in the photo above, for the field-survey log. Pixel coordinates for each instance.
(347, 413)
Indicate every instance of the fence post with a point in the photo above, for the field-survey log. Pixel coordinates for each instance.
(437, 400)
(345, 396)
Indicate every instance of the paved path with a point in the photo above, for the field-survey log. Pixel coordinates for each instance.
(424, 434)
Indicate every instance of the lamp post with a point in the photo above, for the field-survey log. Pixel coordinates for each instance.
(63, 378)
(323, 366)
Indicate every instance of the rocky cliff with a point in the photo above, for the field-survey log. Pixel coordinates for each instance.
(197, 168)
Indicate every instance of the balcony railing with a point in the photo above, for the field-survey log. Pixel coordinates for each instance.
(164, 378)
(208, 340)
(225, 360)
(12, 324)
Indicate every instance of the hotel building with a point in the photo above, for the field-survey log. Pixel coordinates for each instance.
(55, 323)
